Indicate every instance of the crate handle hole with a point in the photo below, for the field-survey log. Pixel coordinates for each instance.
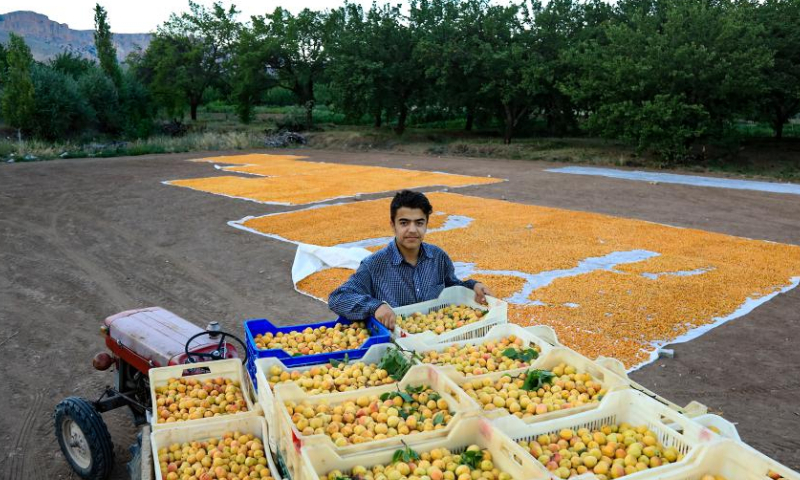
(195, 371)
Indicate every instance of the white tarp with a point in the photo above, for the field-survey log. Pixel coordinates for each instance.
(312, 258)
(695, 180)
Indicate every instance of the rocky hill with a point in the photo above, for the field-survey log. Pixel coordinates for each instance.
(47, 38)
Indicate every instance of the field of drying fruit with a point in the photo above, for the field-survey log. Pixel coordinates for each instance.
(83, 239)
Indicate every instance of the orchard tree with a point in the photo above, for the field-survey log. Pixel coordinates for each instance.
(18, 92)
(106, 52)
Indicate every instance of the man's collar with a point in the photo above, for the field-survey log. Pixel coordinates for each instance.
(397, 257)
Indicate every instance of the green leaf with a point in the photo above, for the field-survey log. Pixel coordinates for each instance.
(438, 419)
(395, 364)
(418, 389)
(406, 397)
(510, 353)
(524, 355)
(398, 455)
(472, 458)
(536, 379)
(386, 396)
(434, 396)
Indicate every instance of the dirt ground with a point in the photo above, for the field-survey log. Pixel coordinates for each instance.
(83, 239)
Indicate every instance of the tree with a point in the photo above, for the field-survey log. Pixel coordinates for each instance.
(781, 101)
(3, 64)
(292, 49)
(189, 54)
(71, 63)
(18, 90)
(666, 73)
(102, 99)
(59, 109)
(508, 56)
(106, 52)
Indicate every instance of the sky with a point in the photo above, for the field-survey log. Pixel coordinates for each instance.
(142, 16)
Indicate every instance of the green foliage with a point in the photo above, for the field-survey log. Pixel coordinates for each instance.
(292, 49)
(106, 52)
(662, 77)
(136, 108)
(100, 94)
(3, 64)
(190, 54)
(395, 364)
(59, 110)
(18, 87)
(779, 20)
(71, 64)
(536, 379)
(525, 355)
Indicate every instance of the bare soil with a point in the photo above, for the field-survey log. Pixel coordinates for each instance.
(84, 239)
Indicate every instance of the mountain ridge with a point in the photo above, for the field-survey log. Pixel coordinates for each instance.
(47, 38)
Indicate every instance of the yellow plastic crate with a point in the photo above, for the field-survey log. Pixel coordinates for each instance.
(190, 432)
(733, 460)
(611, 381)
(266, 397)
(506, 454)
(419, 346)
(497, 314)
(230, 368)
(290, 440)
(672, 428)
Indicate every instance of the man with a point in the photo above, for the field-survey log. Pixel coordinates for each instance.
(404, 272)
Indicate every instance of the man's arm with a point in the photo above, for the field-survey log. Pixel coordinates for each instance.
(354, 298)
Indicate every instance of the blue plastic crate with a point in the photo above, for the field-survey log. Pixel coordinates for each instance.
(378, 334)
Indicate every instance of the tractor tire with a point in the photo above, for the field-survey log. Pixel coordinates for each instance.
(84, 439)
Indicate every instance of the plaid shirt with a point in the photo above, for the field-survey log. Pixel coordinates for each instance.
(386, 277)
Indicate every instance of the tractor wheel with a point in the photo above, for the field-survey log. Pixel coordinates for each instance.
(84, 439)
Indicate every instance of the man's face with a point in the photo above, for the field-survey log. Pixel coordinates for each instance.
(410, 225)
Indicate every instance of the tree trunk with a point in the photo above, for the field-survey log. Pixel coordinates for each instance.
(19, 135)
(401, 120)
(377, 122)
(779, 130)
(309, 114)
(509, 130)
(470, 119)
(193, 104)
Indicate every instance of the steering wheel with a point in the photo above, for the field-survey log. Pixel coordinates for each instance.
(220, 352)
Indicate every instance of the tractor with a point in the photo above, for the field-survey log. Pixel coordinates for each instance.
(137, 340)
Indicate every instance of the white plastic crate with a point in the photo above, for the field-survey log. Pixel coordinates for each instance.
(266, 397)
(230, 368)
(497, 313)
(610, 381)
(507, 456)
(733, 460)
(496, 332)
(634, 408)
(692, 409)
(290, 440)
(726, 428)
(190, 432)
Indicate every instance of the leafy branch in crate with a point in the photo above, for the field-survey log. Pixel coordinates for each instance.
(406, 454)
(472, 458)
(536, 379)
(525, 355)
(338, 363)
(395, 364)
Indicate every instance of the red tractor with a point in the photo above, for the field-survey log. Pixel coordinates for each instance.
(138, 340)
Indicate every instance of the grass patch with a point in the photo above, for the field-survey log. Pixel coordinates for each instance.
(32, 150)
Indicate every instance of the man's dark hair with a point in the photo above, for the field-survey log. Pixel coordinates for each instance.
(411, 199)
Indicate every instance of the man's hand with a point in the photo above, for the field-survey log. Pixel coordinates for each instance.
(481, 291)
(386, 316)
